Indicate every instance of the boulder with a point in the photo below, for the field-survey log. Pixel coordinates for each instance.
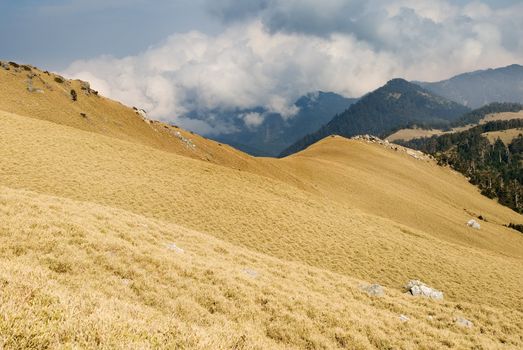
(374, 290)
(473, 224)
(463, 322)
(418, 288)
(250, 272)
(173, 246)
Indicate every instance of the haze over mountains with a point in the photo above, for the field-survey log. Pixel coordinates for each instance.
(262, 133)
(479, 88)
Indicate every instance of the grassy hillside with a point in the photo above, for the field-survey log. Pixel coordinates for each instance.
(77, 274)
(477, 117)
(495, 167)
(506, 136)
(274, 250)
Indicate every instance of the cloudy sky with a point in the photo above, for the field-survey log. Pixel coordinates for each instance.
(171, 57)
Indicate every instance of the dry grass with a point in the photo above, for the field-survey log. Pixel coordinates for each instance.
(409, 134)
(88, 266)
(505, 135)
(83, 275)
(502, 116)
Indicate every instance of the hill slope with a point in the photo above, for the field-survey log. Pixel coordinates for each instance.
(495, 167)
(491, 112)
(398, 103)
(274, 253)
(482, 87)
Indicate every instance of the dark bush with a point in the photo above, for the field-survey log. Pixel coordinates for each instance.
(517, 227)
(14, 64)
(74, 96)
(59, 79)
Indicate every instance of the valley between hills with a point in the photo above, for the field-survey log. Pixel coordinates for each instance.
(120, 231)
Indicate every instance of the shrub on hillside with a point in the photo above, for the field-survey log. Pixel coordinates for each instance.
(517, 227)
(74, 95)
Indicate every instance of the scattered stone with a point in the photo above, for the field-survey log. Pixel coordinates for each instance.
(413, 154)
(174, 247)
(374, 139)
(250, 272)
(463, 322)
(143, 114)
(418, 288)
(85, 86)
(473, 224)
(368, 138)
(59, 79)
(188, 142)
(4, 65)
(31, 88)
(374, 290)
(404, 318)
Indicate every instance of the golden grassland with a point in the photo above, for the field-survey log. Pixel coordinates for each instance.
(409, 134)
(80, 274)
(87, 211)
(502, 116)
(506, 136)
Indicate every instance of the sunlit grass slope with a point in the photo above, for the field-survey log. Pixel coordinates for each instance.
(87, 211)
(77, 274)
(51, 100)
(409, 134)
(507, 136)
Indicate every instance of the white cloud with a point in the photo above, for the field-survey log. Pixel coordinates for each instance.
(253, 119)
(271, 57)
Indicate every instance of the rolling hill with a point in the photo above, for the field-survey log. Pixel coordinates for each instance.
(395, 104)
(479, 88)
(117, 232)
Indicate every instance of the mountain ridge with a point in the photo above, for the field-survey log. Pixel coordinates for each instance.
(395, 104)
(482, 87)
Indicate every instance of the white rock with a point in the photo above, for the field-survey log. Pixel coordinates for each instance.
(418, 288)
(173, 246)
(474, 224)
(250, 272)
(374, 290)
(463, 322)
(404, 318)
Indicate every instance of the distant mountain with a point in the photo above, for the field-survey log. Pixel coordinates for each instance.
(275, 133)
(395, 104)
(482, 87)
